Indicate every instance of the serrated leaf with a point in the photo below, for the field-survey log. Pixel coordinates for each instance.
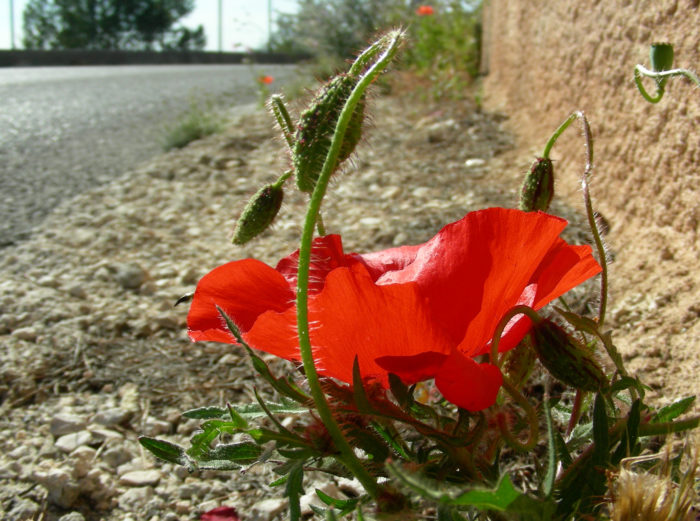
(165, 450)
(217, 464)
(281, 385)
(252, 411)
(674, 410)
(205, 413)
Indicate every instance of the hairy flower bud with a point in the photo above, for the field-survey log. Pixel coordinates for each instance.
(661, 56)
(565, 358)
(316, 128)
(538, 188)
(259, 213)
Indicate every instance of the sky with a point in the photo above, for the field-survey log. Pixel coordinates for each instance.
(244, 22)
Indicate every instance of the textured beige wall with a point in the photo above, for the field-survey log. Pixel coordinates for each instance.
(546, 59)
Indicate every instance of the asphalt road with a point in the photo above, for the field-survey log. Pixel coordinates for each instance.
(66, 129)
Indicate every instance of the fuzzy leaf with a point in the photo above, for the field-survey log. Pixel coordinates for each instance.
(165, 450)
(293, 490)
(674, 410)
(205, 413)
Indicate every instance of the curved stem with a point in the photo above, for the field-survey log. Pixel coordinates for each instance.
(517, 310)
(347, 455)
(602, 255)
(320, 226)
(660, 77)
(532, 420)
(558, 132)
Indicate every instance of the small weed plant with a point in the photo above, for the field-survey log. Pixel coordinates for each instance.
(199, 121)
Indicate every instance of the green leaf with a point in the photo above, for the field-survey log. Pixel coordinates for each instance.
(628, 443)
(232, 327)
(210, 431)
(253, 411)
(205, 413)
(358, 389)
(165, 451)
(281, 385)
(674, 410)
(344, 505)
(600, 432)
(294, 489)
(243, 452)
(400, 391)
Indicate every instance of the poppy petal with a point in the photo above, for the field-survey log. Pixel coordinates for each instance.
(351, 317)
(244, 289)
(326, 255)
(412, 369)
(467, 384)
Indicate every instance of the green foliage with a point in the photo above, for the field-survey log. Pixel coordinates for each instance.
(110, 24)
(198, 122)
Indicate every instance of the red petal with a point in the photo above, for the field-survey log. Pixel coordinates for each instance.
(353, 316)
(326, 255)
(220, 514)
(412, 369)
(468, 385)
(243, 289)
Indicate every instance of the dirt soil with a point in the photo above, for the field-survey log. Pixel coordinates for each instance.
(94, 350)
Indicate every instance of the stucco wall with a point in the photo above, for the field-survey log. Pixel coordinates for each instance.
(545, 59)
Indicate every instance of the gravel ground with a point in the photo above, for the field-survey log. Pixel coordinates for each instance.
(94, 352)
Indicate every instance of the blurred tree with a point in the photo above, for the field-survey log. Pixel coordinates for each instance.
(110, 24)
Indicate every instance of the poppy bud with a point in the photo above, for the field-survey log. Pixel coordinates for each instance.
(565, 358)
(538, 188)
(661, 56)
(316, 128)
(259, 213)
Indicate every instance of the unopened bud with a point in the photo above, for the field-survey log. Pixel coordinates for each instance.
(538, 188)
(661, 56)
(565, 358)
(259, 213)
(316, 128)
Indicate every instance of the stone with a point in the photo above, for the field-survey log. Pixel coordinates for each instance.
(62, 490)
(140, 478)
(72, 516)
(153, 426)
(134, 498)
(116, 456)
(311, 498)
(70, 442)
(64, 423)
(28, 333)
(474, 162)
(130, 275)
(267, 509)
(112, 416)
(23, 509)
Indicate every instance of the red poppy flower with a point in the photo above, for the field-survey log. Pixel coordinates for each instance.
(419, 311)
(425, 10)
(266, 80)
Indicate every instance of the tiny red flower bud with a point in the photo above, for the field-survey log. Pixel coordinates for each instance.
(425, 10)
(266, 80)
(316, 127)
(565, 358)
(538, 188)
(661, 56)
(258, 214)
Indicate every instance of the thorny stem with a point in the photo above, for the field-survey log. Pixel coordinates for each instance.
(347, 455)
(587, 201)
(660, 78)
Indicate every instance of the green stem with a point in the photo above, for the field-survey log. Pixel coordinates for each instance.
(558, 132)
(660, 78)
(347, 455)
(320, 225)
(532, 420)
(517, 310)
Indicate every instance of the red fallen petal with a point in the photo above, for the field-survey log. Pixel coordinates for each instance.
(353, 316)
(220, 514)
(412, 369)
(326, 255)
(468, 385)
(243, 289)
